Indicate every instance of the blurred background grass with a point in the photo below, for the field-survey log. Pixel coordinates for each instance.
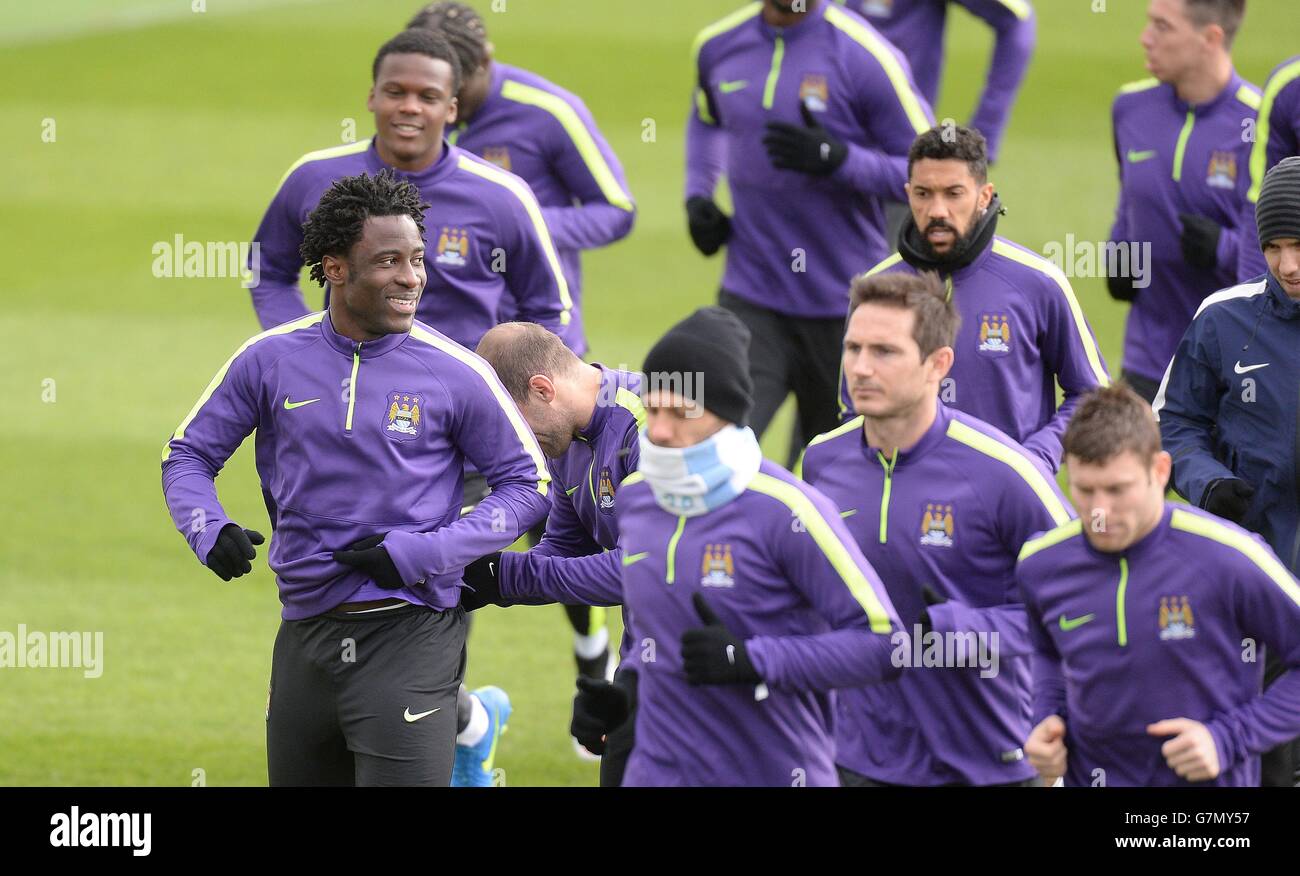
(175, 122)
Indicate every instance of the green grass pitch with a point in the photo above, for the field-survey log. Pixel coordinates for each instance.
(169, 121)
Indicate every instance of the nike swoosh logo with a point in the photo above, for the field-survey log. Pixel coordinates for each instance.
(849, 513)
(288, 405)
(733, 85)
(1075, 623)
(1241, 370)
(569, 492)
(492, 569)
(1135, 157)
(629, 559)
(413, 718)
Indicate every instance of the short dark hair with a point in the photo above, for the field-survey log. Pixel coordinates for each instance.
(935, 319)
(462, 27)
(1227, 14)
(518, 351)
(339, 220)
(420, 42)
(1110, 421)
(949, 143)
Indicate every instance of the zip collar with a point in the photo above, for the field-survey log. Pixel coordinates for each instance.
(365, 349)
(1229, 92)
(1149, 543)
(931, 438)
(445, 166)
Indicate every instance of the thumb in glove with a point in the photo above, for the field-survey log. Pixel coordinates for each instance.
(370, 556)
(232, 553)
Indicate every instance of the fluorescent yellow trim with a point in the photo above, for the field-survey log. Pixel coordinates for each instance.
(1019, 463)
(630, 401)
(1121, 621)
(842, 429)
(774, 74)
(1043, 266)
(578, 133)
(352, 387)
(672, 549)
(881, 51)
(308, 320)
(1181, 148)
(635, 477)
(520, 190)
(320, 154)
(1248, 97)
(721, 26)
(830, 545)
(483, 370)
(885, 265)
(702, 108)
(798, 464)
(1140, 85)
(1244, 544)
(884, 497)
(1259, 152)
(1050, 538)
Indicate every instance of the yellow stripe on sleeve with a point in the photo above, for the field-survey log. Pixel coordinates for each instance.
(331, 152)
(484, 370)
(1243, 544)
(1050, 538)
(520, 190)
(830, 545)
(881, 51)
(1259, 152)
(1019, 463)
(578, 132)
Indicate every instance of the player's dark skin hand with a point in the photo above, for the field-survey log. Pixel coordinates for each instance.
(710, 228)
(370, 556)
(232, 554)
(598, 709)
(1121, 288)
(1200, 241)
(808, 149)
(1229, 498)
(483, 583)
(712, 654)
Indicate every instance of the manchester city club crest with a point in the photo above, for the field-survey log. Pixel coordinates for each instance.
(1176, 618)
(498, 155)
(402, 419)
(936, 525)
(995, 333)
(1222, 173)
(606, 490)
(453, 247)
(717, 568)
(813, 92)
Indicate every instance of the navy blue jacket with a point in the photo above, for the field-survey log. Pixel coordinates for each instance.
(1229, 403)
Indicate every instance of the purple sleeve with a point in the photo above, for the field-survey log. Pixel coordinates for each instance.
(491, 433)
(565, 535)
(606, 210)
(530, 578)
(1071, 355)
(226, 414)
(1014, 38)
(276, 297)
(820, 558)
(1269, 614)
(1119, 230)
(1045, 664)
(891, 111)
(532, 266)
(706, 157)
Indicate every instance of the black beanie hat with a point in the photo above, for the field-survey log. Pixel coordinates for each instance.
(1277, 213)
(705, 358)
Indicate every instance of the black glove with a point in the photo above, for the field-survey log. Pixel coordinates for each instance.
(1121, 288)
(1228, 498)
(231, 554)
(482, 578)
(932, 598)
(1200, 241)
(810, 149)
(370, 556)
(712, 654)
(598, 709)
(709, 226)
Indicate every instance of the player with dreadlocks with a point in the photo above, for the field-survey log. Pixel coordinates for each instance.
(365, 420)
